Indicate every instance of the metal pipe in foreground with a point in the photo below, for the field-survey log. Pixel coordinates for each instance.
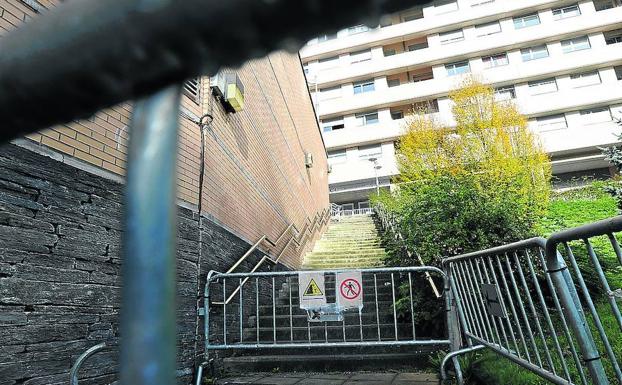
(83, 357)
(148, 308)
(455, 354)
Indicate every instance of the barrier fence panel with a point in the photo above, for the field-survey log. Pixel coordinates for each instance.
(550, 306)
(267, 312)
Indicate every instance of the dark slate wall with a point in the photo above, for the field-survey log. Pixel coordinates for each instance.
(60, 238)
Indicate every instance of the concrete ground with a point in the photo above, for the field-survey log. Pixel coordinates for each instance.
(332, 379)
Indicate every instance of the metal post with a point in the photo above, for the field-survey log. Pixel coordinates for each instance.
(148, 312)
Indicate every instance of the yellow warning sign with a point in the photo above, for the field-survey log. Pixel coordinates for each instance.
(313, 290)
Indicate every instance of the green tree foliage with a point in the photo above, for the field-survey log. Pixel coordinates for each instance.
(479, 184)
(614, 155)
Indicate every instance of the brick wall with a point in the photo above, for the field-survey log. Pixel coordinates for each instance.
(60, 261)
(255, 179)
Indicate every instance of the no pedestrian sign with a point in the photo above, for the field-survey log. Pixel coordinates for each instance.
(311, 290)
(349, 287)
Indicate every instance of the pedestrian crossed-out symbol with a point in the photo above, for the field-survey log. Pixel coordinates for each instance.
(313, 290)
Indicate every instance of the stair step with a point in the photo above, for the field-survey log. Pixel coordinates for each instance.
(331, 362)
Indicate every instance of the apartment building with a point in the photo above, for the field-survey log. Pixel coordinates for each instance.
(560, 61)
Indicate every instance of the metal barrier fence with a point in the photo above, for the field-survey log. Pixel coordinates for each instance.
(522, 301)
(267, 312)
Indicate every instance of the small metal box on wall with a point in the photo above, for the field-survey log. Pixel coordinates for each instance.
(228, 87)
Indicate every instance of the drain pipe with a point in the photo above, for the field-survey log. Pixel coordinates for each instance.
(83, 357)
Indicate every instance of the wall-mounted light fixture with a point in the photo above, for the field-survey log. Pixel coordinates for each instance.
(308, 159)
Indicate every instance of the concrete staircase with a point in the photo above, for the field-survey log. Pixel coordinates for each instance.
(349, 243)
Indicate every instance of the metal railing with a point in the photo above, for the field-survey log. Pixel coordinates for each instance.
(389, 224)
(320, 219)
(521, 301)
(268, 315)
(75, 369)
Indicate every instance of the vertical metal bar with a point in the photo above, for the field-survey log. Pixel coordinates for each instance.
(472, 326)
(241, 313)
(603, 282)
(616, 246)
(361, 324)
(534, 314)
(490, 317)
(469, 290)
(547, 317)
(593, 311)
(273, 311)
(478, 296)
(148, 353)
(206, 307)
(513, 308)
(394, 307)
(574, 314)
(412, 310)
(507, 318)
(257, 306)
(562, 317)
(377, 311)
(291, 316)
(497, 320)
(224, 310)
(521, 307)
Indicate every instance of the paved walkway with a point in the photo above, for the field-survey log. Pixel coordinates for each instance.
(332, 379)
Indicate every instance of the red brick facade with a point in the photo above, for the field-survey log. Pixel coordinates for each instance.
(255, 182)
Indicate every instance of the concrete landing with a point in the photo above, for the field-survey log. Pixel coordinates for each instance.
(359, 378)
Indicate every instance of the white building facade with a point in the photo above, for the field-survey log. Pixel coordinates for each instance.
(560, 61)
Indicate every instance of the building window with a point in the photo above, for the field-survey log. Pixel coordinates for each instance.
(423, 76)
(337, 156)
(526, 21)
(372, 151)
(444, 6)
(389, 52)
(334, 124)
(328, 62)
(602, 5)
(393, 82)
(364, 86)
(426, 107)
(366, 118)
(552, 122)
(576, 44)
(613, 37)
(534, 53)
(364, 205)
(326, 37)
(458, 68)
(543, 86)
(596, 115)
(488, 29)
(358, 29)
(397, 115)
(566, 12)
(585, 79)
(505, 93)
(413, 14)
(360, 56)
(451, 36)
(618, 71)
(417, 46)
(477, 3)
(497, 60)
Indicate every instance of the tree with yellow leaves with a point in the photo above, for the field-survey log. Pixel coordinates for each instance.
(478, 183)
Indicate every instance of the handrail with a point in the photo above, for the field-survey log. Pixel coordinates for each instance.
(389, 221)
(306, 231)
(83, 357)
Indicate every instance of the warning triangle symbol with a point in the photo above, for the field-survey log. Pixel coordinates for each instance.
(313, 289)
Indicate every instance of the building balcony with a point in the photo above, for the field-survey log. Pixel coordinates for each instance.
(509, 39)
(421, 27)
(517, 71)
